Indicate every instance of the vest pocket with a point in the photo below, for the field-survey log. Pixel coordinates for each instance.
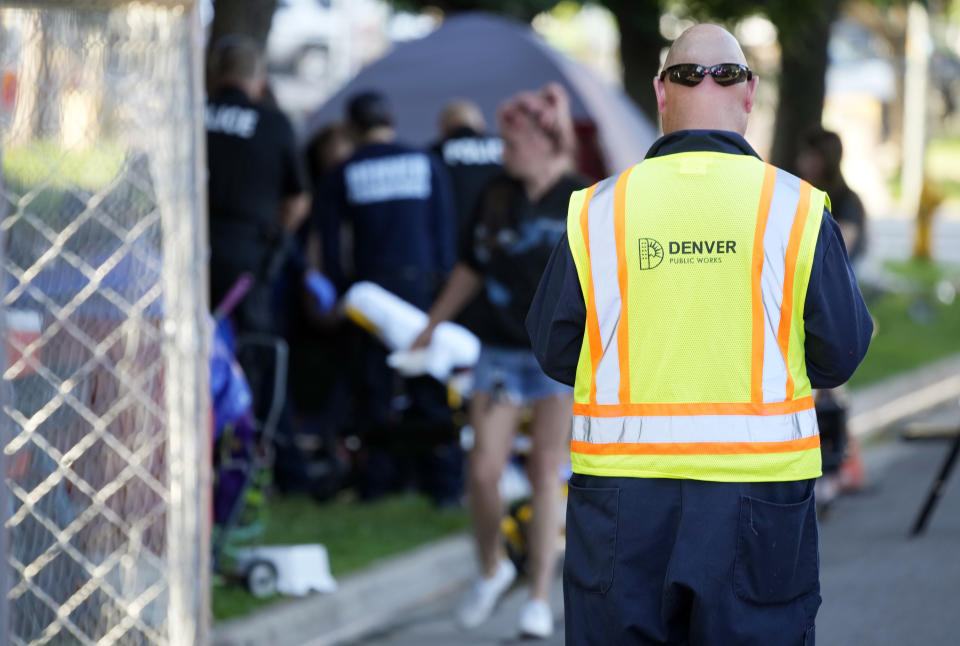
(777, 559)
(592, 515)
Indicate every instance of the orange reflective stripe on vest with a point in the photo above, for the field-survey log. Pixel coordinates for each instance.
(694, 269)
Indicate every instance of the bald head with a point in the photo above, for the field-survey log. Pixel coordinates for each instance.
(706, 40)
(461, 114)
(706, 105)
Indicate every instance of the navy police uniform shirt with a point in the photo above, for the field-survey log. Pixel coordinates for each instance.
(399, 204)
(837, 324)
(472, 160)
(253, 160)
(254, 165)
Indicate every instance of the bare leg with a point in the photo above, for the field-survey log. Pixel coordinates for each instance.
(494, 424)
(551, 442)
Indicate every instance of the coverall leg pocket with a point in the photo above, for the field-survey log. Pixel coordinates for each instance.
(591, 537)
(777, 559)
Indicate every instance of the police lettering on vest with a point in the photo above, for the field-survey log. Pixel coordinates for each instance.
(692, 364)
(231, 120)
(397, 177)
(473, 151)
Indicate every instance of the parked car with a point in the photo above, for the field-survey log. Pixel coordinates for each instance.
(301, 36)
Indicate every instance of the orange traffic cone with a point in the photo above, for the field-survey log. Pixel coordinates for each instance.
(853, 475)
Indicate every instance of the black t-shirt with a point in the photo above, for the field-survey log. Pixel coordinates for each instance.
(254, 165)
(508, 242)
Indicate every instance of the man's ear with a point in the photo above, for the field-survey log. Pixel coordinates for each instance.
(751, 93)
(661, 93)
(258, 87)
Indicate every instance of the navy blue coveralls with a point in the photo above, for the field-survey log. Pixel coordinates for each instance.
(663, 561)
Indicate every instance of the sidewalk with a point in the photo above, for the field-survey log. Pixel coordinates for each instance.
(877, 406)
(422, 586)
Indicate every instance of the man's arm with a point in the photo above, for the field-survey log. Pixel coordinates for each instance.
(443, 216)
(461, 287)
(294, 210)
(328, 214)
(837, 324)
(295, 204)
(557, 317)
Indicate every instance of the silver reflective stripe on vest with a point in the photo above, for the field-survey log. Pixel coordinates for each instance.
(606, 289)
(603, 259)
(776, 237)
(695, 428)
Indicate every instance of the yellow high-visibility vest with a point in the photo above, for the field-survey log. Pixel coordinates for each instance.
(694, 269)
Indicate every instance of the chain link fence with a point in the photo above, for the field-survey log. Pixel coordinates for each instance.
(105, 424)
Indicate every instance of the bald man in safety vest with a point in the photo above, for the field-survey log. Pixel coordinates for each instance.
(694, 302)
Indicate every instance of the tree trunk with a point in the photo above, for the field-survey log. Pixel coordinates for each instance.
(891, 25)
(247, 17)
(803, 76)
(640, 46)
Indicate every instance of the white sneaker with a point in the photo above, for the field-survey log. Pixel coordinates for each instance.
(478, 603)
(536, 620)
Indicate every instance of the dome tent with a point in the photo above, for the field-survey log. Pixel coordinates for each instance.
(486, 59)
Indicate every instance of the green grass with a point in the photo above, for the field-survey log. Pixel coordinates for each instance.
(943, 156)
(355, 534)
(911, 329)
(49, 173)
(232, 600)
(943, 164)
(90, 168)
(943, 167)
(923, 274)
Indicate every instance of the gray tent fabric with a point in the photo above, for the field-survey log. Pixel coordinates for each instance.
(486, 59)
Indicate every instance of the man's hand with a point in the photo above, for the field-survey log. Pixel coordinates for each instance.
(423, 339)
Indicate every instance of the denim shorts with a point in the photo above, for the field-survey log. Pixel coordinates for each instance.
(515, 374)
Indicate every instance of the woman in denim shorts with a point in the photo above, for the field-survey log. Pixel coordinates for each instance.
(517, 221)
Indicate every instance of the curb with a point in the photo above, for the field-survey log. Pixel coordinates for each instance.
(876, 407)
(364, 602)
(381, 594)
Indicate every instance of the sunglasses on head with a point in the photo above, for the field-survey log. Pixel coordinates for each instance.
(691, 74)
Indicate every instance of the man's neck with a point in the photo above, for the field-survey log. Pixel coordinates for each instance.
(380, 135)
(725, 141)
(249, 88)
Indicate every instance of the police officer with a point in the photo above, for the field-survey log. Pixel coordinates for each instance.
(395, 205)
(696, 299)
(257, 188)
(471, 157)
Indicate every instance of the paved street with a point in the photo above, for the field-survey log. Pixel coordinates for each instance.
(879, 587)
